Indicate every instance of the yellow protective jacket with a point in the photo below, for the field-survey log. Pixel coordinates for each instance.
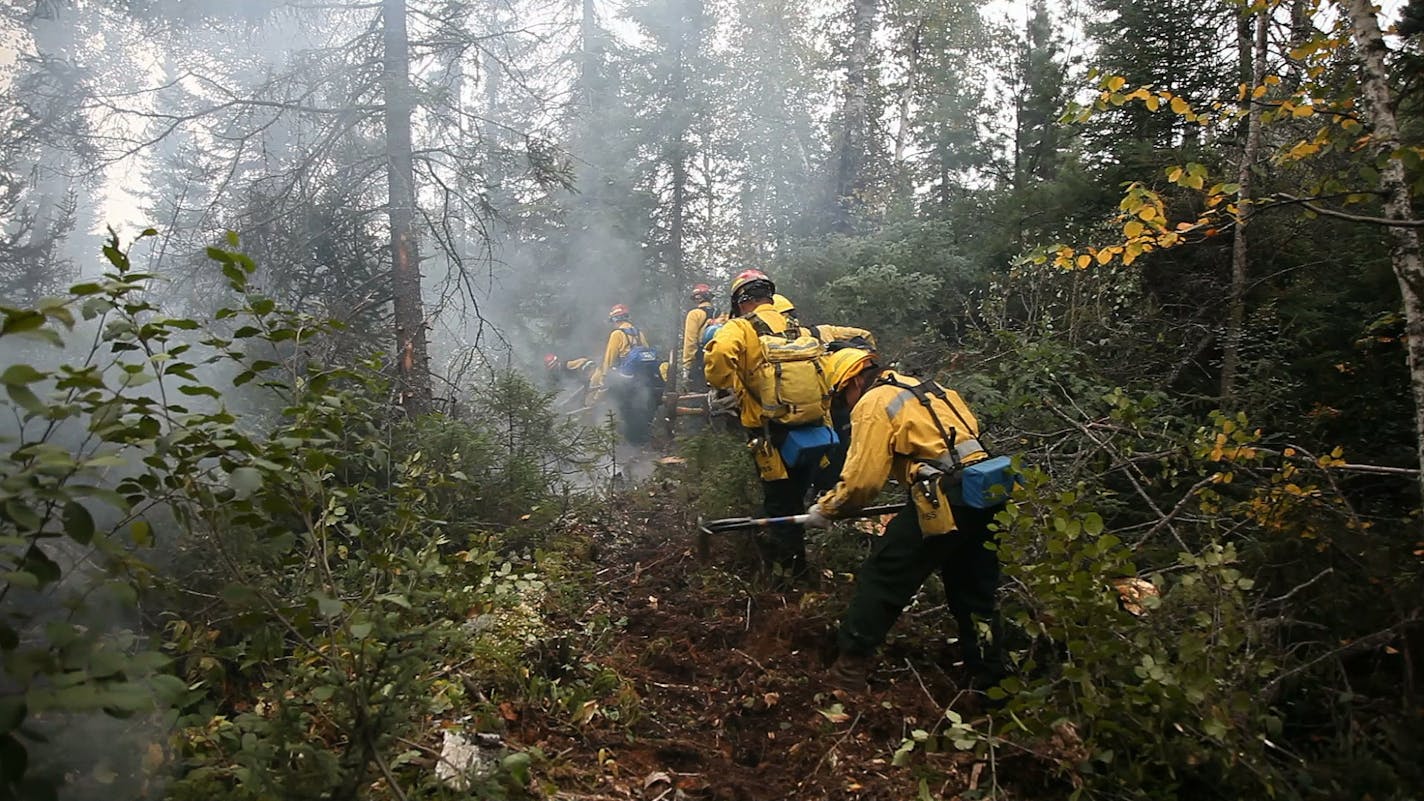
(735, 352)
(840, 333)
(620, 340)
(890, 431)
(692, 325)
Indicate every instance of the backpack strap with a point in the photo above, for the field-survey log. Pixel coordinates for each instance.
(635, 337)
(923, 391)
(762, 329)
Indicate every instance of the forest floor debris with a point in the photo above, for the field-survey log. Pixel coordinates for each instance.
(729, 678)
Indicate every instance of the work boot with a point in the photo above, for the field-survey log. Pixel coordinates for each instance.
(851, 671)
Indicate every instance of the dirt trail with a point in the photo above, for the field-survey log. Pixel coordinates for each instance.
(732, 698)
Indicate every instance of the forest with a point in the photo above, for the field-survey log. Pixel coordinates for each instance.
(322, 477)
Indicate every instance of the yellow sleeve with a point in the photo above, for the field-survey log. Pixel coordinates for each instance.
(691, 331)
(841, 333)
(869, 461)
(723, 357)
(610, 356)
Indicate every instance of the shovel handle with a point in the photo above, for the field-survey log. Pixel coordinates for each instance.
(747, 523)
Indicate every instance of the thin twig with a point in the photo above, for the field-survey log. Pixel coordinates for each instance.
(834, 746)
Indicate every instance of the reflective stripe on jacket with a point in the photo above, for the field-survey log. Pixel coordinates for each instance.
(890, 431)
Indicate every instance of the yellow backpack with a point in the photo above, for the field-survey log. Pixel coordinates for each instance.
(789, 382)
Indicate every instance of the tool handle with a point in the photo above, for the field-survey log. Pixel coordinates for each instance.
(743, 523)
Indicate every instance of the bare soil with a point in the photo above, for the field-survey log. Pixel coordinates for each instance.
(730, 677)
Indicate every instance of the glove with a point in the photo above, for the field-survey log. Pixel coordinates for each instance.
(815, 518)
(721, 402)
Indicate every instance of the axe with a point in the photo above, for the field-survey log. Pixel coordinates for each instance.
(707, 528)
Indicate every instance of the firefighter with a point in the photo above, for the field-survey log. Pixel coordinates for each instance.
(924, 436)
(632, 374)
(699, 318)
(736, 361)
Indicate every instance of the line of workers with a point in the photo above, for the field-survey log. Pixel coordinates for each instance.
(825, 417)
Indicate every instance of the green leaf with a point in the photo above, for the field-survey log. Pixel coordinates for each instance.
(1093, 523)
(240, 596)
(245, 481)
(18, 321)
(199, 389)
(361, 630)
(78, 523)
(22, 515)
(22, 579)
(24, 398)
(326, 605)
(38, 563)
(20, 375)
(141, 533)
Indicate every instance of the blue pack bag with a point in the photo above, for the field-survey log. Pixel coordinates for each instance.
(807, 444)
(987, 484)
(641, 360)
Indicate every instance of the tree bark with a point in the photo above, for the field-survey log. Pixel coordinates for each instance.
(412, 358)
(855, 135)
(1398, 201)
(1236, 314)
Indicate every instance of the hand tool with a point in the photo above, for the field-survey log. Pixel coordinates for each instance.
(707, 528)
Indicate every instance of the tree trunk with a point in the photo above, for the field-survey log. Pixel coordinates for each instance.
(1398, 204)
(412, 359)
(907, 95)
(855, 135)
(1236, 314)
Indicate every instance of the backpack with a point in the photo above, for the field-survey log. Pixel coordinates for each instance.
(789, 381)
(984, 484)
(641, 361)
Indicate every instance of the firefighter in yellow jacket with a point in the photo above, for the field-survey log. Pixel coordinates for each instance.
(631, 373)
(698, 317)
(921, 434)
(731, 358)
(829, 334)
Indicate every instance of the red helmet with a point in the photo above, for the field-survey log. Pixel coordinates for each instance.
(618, 312)
(751, 284)
(550, 361)
(702, 292)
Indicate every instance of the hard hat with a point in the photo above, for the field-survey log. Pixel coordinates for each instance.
(618, 312)
(783, 304)
(702, 292)
(550, 361)
(845, 364)
(751, 284)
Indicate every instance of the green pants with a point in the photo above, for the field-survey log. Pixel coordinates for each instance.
(900, 562)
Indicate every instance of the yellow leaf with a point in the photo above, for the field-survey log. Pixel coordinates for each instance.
(1179, 106)
(1130, 253)
(1105, 255)
(1147, 213)
(1115, 83)
(1302, 111)
(1133, 229)
(1272, 80)
(1084, 260)
(1258, 93)
(1174, 174)
(1153, 103)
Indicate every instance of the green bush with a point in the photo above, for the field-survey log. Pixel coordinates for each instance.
(321, 580)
